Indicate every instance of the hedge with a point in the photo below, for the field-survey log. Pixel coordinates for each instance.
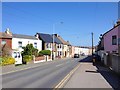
(27, 58)
(45, 52)
(7, 61)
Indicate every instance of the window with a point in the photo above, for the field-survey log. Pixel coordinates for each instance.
(3, 42)
(119, 41)
(60, 53)
(18, 55)
(19, 44)
(35, 45)
(15, 55)
(47, 45)
(114, 40)
(60, 45)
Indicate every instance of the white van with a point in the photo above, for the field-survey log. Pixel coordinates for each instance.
(18, 57)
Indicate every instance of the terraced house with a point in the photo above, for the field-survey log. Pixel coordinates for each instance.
(52, 43)
(67, 48)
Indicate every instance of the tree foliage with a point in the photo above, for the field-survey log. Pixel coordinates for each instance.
(30, 50)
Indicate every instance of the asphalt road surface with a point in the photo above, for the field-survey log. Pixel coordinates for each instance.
(43, 76)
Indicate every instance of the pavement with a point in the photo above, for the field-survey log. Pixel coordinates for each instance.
(95, 77)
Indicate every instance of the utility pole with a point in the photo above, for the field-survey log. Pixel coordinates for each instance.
(92, 45)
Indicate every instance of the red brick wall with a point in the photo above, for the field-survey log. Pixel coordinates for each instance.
(8, 41)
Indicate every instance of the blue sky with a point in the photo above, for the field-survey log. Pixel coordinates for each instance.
(79, 19)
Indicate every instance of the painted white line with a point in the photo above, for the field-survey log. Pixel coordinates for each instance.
(59, 65)
(64, 80)
(24, 69)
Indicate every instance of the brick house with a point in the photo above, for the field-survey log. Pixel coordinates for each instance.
(6, 38)
(5, 42)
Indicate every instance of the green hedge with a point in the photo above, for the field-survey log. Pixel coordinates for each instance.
(27, 58)
(7, 61)
(45, 52)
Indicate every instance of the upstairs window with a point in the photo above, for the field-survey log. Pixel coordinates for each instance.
(60, 46)
(19, 44)
(35, 45)
(3, 42)
(47, 45)
(114, 40)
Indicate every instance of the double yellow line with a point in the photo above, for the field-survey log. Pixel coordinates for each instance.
(65, 79)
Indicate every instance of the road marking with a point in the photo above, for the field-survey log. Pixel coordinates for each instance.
(23, 69)
(64, 80)
(59, 65)
(19, 70)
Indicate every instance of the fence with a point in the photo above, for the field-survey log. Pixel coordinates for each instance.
(106, 58)
(116, 63)
(110, 60)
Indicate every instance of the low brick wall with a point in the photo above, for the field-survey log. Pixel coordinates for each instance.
(39, 58)
(116, 63)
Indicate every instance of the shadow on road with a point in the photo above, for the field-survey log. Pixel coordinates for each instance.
(87, 59)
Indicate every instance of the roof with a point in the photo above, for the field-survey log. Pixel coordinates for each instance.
(23, 36)
(56, 40)
(112, 29)
(63, 41)
(5, 35)
(47, 38)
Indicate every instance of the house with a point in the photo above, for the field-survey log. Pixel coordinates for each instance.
(66, 46)
(112, 39)
(5, 43)
(19, 41)
(84, 50)
(6, 38)
(52, 43)
(58, 46)
(77, 50)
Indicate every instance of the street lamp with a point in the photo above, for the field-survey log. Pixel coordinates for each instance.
(54, 40)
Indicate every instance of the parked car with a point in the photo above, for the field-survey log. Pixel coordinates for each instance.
(76, 55)
(82, 54)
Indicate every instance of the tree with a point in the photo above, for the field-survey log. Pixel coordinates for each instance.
(30, 50)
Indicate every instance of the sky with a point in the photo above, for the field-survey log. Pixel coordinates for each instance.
(79, 19)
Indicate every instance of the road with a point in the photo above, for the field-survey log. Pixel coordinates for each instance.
(44, 76)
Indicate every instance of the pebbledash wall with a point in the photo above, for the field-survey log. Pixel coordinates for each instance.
(108, 47)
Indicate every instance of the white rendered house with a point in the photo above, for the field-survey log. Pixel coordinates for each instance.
(19, 41)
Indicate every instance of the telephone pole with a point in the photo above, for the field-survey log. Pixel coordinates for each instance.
(92, 44)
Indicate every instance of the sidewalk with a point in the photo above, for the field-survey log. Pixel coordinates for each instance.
(89, 76)
(13, 68)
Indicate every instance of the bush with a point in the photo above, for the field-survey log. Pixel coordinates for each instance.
(30, 50)
(45, 52)
(7, 61)
(27, 58)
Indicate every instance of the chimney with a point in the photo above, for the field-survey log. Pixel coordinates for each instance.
(8, 31)
(37, 36)
(56, 35)
(118, 22)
